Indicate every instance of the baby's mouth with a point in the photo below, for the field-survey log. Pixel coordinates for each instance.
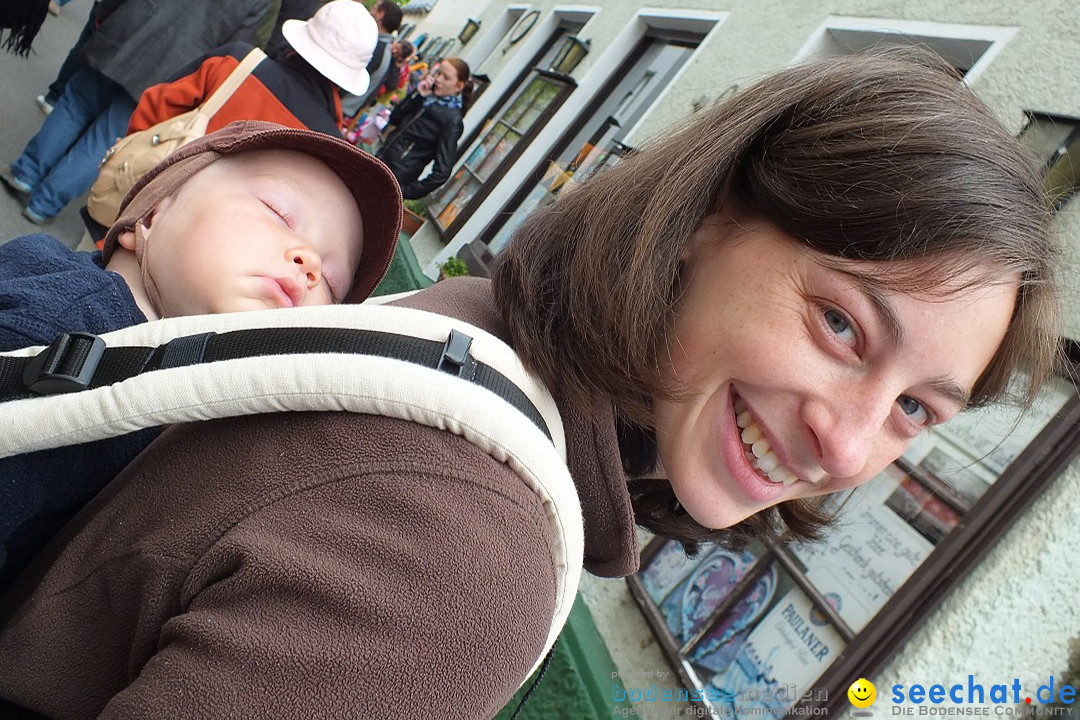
(291, 290)
(758, 451)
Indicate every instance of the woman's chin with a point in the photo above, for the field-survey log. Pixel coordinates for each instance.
(714, 500)
(713, 519)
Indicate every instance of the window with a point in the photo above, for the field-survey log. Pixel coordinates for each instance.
(536, 53)
(968, 48)
(473, 226)
(1056, 140)
(502, 142)
(595, 139)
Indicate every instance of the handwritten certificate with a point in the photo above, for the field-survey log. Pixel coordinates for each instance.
(870, 554)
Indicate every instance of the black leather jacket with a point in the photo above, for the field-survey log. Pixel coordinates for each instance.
(420, 135)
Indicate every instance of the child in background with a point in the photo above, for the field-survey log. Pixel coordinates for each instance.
(254, 216)
(393, 87)
(366, 126)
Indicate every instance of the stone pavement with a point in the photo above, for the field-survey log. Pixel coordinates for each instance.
(21, 80)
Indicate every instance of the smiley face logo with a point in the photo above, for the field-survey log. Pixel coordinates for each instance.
(862, 693)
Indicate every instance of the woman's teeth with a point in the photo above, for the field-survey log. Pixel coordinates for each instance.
(764, 460)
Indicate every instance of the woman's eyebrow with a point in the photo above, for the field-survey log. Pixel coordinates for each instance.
(951, 390)
(883, 308)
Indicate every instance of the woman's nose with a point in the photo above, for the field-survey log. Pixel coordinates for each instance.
(847, 427)
(310, 264)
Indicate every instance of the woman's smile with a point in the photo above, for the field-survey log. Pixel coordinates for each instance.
(743, 462)
(762, 449)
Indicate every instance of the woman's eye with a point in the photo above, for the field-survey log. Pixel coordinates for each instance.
(840, 326)
(914, 410)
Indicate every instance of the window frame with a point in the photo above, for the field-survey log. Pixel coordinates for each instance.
(1035, 116)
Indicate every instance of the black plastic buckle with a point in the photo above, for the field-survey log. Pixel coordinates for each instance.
(65, 366)
(455, 353)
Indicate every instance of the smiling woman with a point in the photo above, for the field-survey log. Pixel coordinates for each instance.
(781, 295)
(795, 382)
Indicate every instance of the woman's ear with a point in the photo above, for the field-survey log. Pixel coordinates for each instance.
(703, 238)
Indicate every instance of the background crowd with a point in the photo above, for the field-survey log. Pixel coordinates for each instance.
(334, 67)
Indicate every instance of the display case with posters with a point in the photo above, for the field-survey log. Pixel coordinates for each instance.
(590, 160)
(782, 628)
(501, 145)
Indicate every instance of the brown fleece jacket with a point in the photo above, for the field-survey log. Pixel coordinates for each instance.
(307, 565)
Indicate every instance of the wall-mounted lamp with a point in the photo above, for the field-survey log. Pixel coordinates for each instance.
(570, 54)
(467, 32)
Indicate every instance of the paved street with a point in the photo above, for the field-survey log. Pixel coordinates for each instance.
(21, 80)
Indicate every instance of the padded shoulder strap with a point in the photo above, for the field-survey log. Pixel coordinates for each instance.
(224, 91)
(300, 380)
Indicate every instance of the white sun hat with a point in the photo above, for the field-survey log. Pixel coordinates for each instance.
(338, 41)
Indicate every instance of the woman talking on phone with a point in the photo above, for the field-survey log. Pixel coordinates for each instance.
(426, 126)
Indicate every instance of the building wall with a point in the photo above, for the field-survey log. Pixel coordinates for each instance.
(448, 17)
(1068, 224)
(1015, 614)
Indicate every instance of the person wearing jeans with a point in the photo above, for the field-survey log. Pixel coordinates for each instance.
(61, 161)
(124, 55)
(71, 65)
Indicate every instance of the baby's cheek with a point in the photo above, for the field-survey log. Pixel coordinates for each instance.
(323, 294)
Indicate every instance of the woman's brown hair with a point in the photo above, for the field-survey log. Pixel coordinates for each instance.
(881, 158)
(464, 75)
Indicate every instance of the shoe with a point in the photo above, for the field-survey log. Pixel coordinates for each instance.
(35, 217)
(44, 105)
(54, 8)
(17, 188)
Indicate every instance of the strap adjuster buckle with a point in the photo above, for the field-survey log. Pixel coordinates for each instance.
(67, 365)
(455, 353)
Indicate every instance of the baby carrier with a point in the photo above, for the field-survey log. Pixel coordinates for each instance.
(393, 361)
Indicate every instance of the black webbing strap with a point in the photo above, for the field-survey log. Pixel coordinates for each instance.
(536, 680)
(78, 361)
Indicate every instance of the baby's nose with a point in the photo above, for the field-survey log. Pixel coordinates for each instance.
(309, 261)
